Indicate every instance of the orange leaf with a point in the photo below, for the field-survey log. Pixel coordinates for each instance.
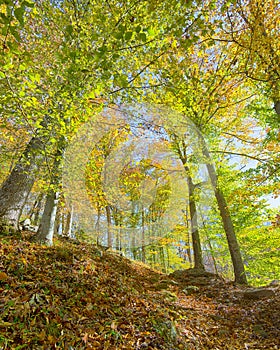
(85, 338)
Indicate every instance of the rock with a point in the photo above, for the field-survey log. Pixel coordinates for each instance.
(190, 290)
(169, 295)
(33, 228)
(164, 284)
(184, 274)
(274, 283)
(258, 293)
(25, 224)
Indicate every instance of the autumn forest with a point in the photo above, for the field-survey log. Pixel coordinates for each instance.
(139, 174)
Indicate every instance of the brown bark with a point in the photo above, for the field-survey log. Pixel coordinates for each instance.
(188, 240)
(16, 188)
(198, 261)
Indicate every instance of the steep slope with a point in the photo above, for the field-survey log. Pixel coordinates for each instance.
(73, 296)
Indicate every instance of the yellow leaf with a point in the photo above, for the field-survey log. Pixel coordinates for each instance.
(3, 276)
(5, 324)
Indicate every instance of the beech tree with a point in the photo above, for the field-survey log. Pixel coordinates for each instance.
(202, 93)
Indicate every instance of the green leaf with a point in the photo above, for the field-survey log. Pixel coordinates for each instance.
(2, 75)
(4, 19)
(30, 4)
(128, 36)
(69, 29)
(7, 2)
(118, 35)
(15, 33)
(143, 37)
(19, 13)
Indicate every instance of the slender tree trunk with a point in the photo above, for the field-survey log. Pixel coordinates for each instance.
(198, 261)
(162, 259)
(97, 226)
(168, 256)
(238, 266)
(117, 216)
(69, 222)
(143, 238)
(16, 188)
(188, 240)
(63, 223)
(133, 248)
(58, 219)
(109, 224)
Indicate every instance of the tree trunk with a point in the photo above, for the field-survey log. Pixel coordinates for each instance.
(162, 261)
(109, 224)
(35, 211)
(47, 224)
(16, 188)
(238, 266)
(143, 242)
(58, 219)
(188, 240)
(46, 228)
(69, 222)
(198, 261)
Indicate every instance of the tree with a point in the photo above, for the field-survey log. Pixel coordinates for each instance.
(181, 149)
(202, 93)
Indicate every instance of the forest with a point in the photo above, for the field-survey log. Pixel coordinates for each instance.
(139, 138)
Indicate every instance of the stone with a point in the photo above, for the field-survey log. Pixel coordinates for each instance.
(190, 290)
(274, 283)
(258, 293)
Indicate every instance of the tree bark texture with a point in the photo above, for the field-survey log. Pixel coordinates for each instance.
(17, 186)
(47, 224)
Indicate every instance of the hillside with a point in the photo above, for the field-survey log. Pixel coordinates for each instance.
(73, 296)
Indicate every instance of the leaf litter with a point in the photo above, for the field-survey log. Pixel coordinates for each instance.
(70, 296)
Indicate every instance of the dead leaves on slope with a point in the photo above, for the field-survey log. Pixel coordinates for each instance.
(70, 297)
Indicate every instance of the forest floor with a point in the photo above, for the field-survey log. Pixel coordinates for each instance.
(70, 296)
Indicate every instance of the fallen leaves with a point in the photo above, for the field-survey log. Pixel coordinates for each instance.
(70, 297)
